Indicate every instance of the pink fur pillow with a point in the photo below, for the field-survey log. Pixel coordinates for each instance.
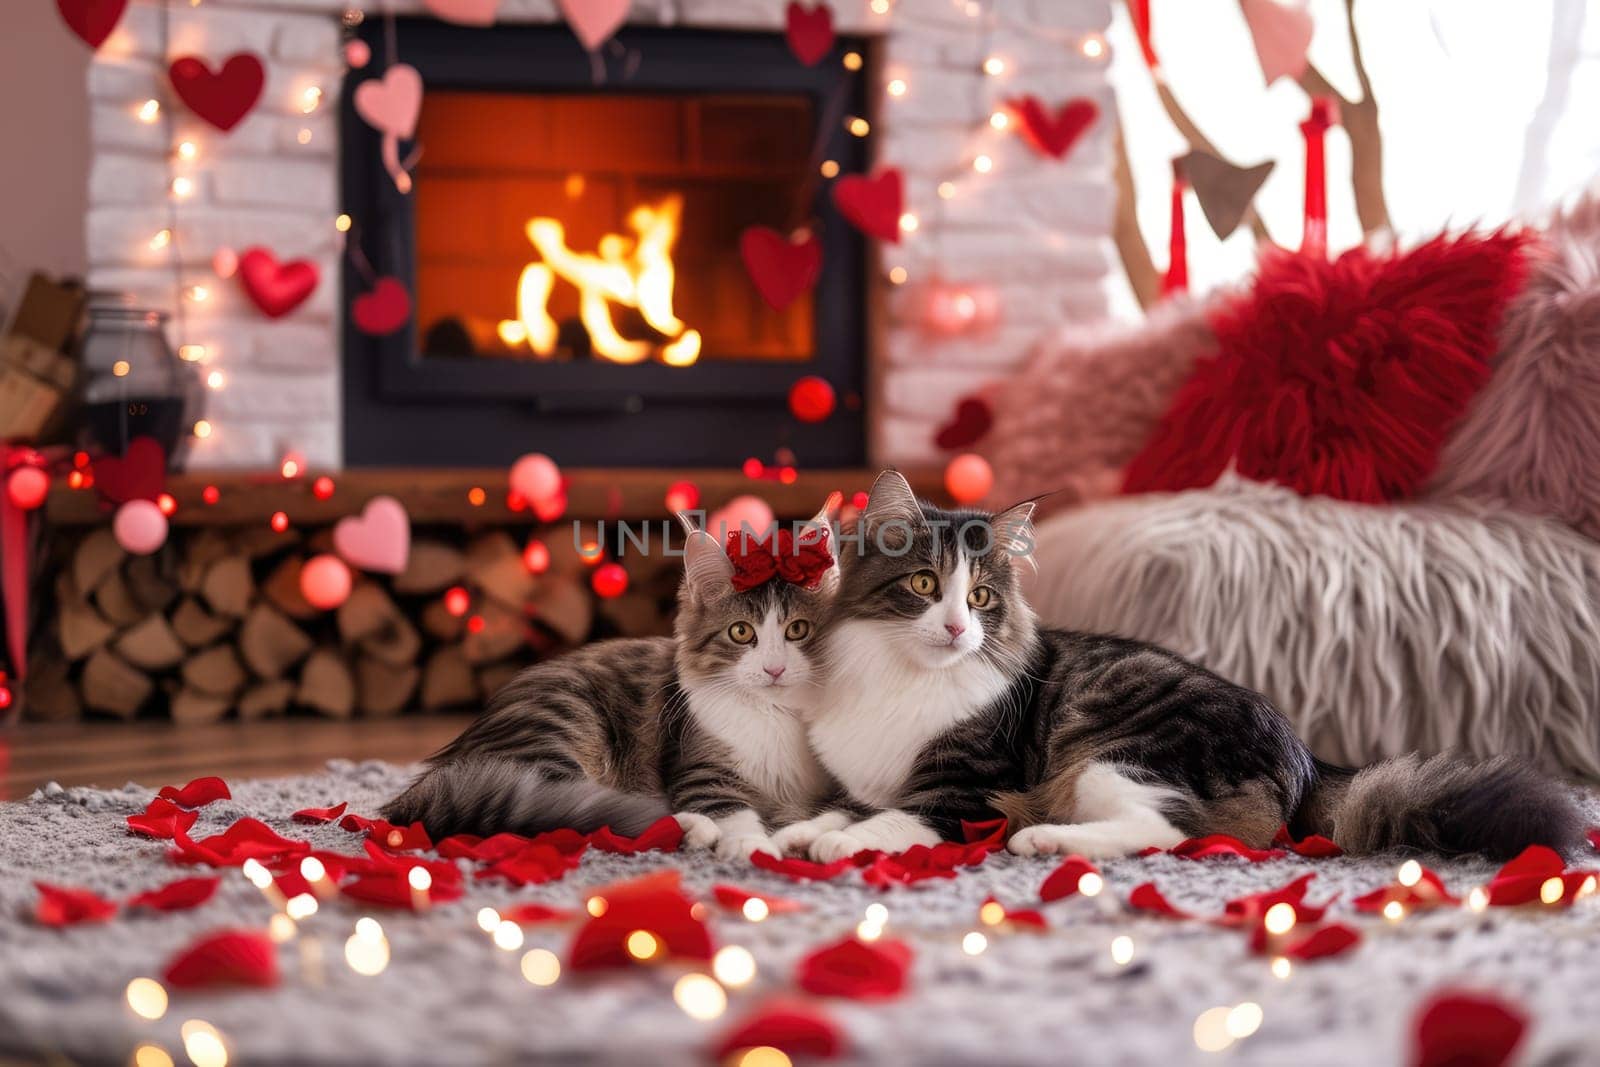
(1532, 437)
(1085, 403)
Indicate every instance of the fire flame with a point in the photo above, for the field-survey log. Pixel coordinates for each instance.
(632, 272)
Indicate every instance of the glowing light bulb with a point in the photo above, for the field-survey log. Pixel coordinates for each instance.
(343, 223)
(897, 275)
(947, 190)
(1282, 968)
(147, 997)
(909, 223)
(420, 879)
(252, 869)
(1091, 884)
(859, 126)
(215, 380)
(983, 164)
(993, 913)
(755, 909)
(280, 928)
(151, 1056)
(1122, 950)
(188, 151)
(202, 429)
(1280, 918)
(488, 919)
(877, 914)
(279, 521)
(999, 120)
(1211, 1030)
(367, 950)
(643, 945)
(1478, 899)
(204, 1044)
(1093, 46)
(734, 966)
(830, 168)
(301, 906)
(764, 1056)
(120, 368)
(182, 186)
(852, 61)
(162, 239)
(369, 929)
(1552, 890)
(596, 906)
(700, 996)
(897, 87)
(974, 943)
(304, 136)
(310, 99)
(1410, 873)
(508, 935)
(541, 967)
(879, 7)
(994, 66)
(199, 294)
(149, 111)
(868, 931)
(1244, 1019)
(1394, 911)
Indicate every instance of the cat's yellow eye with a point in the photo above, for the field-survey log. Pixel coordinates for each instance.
(980, 597)
(798, 630)
(741, 633)
(924, 583)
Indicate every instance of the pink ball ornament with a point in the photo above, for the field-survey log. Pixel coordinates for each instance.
(357, 53)
(325, 581)
(738, 514)
(968, 478)
(139, 527)
(536, 478)
(27, 488)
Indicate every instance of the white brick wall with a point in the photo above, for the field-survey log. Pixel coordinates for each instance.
(1036, 230)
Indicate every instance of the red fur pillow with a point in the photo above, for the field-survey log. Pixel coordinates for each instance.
(1339, 378)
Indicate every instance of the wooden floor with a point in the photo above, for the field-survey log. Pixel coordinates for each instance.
(159, 753)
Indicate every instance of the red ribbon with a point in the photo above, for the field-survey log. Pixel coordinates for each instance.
(756, 562)
(1177, 276)
(1324, 114)
(1139, 11)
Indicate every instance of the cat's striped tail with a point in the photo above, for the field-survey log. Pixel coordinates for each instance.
(1445, 803)
(485, 796)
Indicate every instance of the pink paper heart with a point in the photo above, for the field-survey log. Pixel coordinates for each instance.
(379, 539)
(465, 12)
(1281, 30)
(594, 21)
(391, 104)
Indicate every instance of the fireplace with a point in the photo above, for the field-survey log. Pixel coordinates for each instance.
(571, 239)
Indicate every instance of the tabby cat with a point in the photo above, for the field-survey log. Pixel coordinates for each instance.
(947, 701)
(705, 724)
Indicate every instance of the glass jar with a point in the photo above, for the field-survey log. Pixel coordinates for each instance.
(136, 386)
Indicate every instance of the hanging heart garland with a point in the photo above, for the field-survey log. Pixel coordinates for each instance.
(782, 268)
(465, 12)
(1225, 190)
(140, 473)
(594, 21)
(1281, 31)
(276, 288)
(223, 98)
(391, 104)
(872, 204)
(92, 20)
(1053, 135)
(809, 30)
(379, 539)
(384, 310)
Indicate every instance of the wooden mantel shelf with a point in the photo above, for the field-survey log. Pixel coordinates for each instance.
(442, 496)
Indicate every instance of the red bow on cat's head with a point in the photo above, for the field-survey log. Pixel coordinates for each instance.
(757, 561)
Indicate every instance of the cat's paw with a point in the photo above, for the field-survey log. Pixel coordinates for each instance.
(836, 845)
(698, 831)
(742, 847)
(797, 838)
(1088, 842)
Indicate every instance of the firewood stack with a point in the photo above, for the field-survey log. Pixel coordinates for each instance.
(215, 624)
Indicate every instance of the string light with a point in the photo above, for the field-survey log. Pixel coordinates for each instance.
(1211, 1030)
(879, 7)
(596, 906)
(999, 120)
(994, 66)
(290, 467)
(897, 87)
(764, 1056)
(897, 275)
(182, 186)
(149, 111)
(280, 521)
(192, 353)
(1282, 968)
(1122, 950)
(1280, 918)
(488, 919)
(300, 907)
(199, 294)
(755, 909)
(852, 61)
(700, 997)
(1091, 884)
(120, 368)
(830, 168)
(1410, 873)
(280, 928)
(983, 164)
(147, 997)
(734, 966)
(342, 223)
(1394, 911)
(204, 1044)
(1093, 46)
(947, 190)
(187, 151)
(1478, 899)
(541, 967)
(215, 380)
(419, 879)
(1244, 1019)
(993, 913)
(974, 943)
(310, 99)
(508, 935)
(162, 239)
(367, 950)
(859, 126)
(877, 914)
(867, 930)
(304, 136)
(151, 1056)
(643, 945)
(1552, 890)
(909, 223)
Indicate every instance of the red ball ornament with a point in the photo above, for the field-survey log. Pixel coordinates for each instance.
(457, 601)
(280, 521)
(811, 399)
(609, 580)
(325, 581)
(322, 488)
(536, 478)
(27, 488)
(536, 557)
(968, 478)
(211, 494)
(754, 468)
(683, 496)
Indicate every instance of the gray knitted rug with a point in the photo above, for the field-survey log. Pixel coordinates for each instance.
(449, 996)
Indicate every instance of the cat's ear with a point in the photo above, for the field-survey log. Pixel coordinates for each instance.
(1013, 530)
(892, 499)
(707, 570)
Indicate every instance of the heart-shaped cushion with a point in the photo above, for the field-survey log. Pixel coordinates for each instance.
(379, 539)
(222, 98)
(872, 204)
(276, 288)
(781, 267)
(384, 310)
(809, 31)
(140, 473)
(1054, 134)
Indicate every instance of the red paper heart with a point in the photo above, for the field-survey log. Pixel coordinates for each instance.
(316, 815)
(163, 820)
(663, 835)
(382, 311)
(223, 98)
(276, 288)
(198, 793)
(140, 473)
(1049, 134)
(734, 899)
(65, 906)
(181, 895)
(655, 903)
(1147, 897)
(790, 1026)
(1063, 881)
(856, 969)
(225, 958)
(1456, 1029)
(809, 30)
(967, 427)
(872, 205)
(92, 20)
(781, 268)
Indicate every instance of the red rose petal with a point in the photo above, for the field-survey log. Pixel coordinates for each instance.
(225, 958)
(411, 838)
(535, 914)
(917, 863)
(1458, 1029)
(198, 793)
(733, 898)
(1314, 847)
(318, 815)
(1147, 897)
(383, 861)
(1248, 910)
(856, 969)
(1017, 917)
(244, 840)
(1594, 839)
(1519, 881)
(802, 870)
(566, 840)
(791, 1026)
(1063, 881)
(181, 895)
(162, 820)
(1429, 892)
(655, 903)
(66, 906)
(1331, 940)
(991, 834)
(356, 824)
(392, 889)
(482, 849)
(533, 865)
(1214, 846)
(663, 835)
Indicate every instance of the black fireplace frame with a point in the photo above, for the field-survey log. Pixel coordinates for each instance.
(404, 408)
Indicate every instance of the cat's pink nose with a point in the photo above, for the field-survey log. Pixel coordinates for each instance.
(953, 630)
(776, 672)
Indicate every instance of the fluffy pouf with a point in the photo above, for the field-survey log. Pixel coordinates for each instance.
(1377, 630)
